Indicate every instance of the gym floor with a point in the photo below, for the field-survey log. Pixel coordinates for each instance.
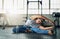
(8, 34)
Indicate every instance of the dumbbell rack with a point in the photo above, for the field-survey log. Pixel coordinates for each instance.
(33, 2)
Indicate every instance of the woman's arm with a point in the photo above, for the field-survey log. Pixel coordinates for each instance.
(50, 21)
(46, 28)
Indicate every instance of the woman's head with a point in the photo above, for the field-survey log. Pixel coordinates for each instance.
(37, 18)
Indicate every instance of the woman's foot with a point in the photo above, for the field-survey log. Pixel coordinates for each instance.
(50, 32)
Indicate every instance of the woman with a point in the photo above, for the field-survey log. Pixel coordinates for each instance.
(36, 24)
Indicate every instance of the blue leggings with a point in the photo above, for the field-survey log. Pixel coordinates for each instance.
(34, 30)
(20, 29)
(37, 30)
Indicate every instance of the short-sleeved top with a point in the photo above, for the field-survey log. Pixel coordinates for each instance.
(32, 23)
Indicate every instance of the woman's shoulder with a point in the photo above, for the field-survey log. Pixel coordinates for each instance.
(29, 20)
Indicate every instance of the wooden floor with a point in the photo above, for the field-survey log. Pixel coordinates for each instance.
(8, 34)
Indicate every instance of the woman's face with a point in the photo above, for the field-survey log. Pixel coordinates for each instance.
(38, 21)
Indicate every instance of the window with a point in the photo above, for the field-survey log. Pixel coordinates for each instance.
(0, 6)
(11, 6)
(55, 6)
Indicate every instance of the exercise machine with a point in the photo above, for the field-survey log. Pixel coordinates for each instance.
(56, 15)
(39, 2)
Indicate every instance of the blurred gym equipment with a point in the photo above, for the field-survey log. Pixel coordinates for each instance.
(56, 21)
